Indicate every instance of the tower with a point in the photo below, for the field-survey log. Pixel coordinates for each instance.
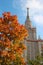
(32, 43)
(28, 22)
(29, 27)
(31, 36)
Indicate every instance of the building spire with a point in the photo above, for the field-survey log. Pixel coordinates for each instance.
(28, 12)
(28, 22)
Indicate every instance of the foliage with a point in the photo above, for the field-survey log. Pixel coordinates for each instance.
(37, 61)
(11, 36)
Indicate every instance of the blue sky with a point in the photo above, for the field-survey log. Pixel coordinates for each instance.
(18, 7)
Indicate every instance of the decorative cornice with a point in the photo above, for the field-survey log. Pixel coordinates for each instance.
(34, 40)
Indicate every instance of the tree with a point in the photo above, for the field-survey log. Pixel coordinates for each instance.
(11, 36)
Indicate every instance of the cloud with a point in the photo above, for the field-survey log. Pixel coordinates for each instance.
(36, 9)
(31, 4)
(38, 19)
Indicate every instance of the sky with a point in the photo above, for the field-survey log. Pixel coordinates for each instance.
(19, 8)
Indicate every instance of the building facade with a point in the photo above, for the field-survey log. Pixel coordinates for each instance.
(32, 43)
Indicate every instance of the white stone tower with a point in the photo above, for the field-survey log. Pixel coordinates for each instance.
(28, 25)
(30, 52)
(32, 43)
